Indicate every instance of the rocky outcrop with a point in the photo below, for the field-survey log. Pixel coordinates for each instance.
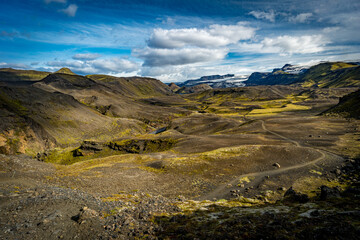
(291, 196)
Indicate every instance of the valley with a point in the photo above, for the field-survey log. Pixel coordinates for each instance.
(128, 158)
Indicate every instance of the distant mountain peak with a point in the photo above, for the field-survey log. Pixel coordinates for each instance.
(65, 71)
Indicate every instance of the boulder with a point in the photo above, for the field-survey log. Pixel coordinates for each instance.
(85, 214)
(327, 192)
(292, 196)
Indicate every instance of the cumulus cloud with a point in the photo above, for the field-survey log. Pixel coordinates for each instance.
(70, 10)
(165, 57)
(97, 66)
(289, 44)
(213, 36)
(86, 56)
(301, 18)
(58, 1)
(192, 45)
(13, 65)
(115, 65)
(270, 16)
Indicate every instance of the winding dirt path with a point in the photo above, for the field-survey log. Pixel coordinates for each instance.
(223, 190)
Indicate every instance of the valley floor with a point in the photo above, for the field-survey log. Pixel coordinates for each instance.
(225, 178)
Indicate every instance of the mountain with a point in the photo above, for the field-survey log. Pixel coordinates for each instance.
(64, 109)
(133, 86)
(332, 74)
(34, 120)
(286, 75)
(66, 71)
(323, 75)
(14, 75)
(113, 96)
(194, 89)
(174, 87)
(348, 106)
(216, 81)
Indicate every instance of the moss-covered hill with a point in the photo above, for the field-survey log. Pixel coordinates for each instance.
(328, 75)
(10, 75)
(323, 75)
(349, 106)
(133, 86)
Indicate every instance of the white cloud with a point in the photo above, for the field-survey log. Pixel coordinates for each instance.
(13, 65)
(115, 65)
(301, 18)
(70, 10)
(192, 45)
(214, 36)
(182, 73)
(289, 45)
(86, 56)
(58, 1)
(69, 64)
(97, 66)
(270, 16)
(165, 57)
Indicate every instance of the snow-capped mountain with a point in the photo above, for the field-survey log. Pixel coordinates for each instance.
(217, 81)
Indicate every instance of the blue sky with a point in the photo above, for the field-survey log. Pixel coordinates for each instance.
(175, 40)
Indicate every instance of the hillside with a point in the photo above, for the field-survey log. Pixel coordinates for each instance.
(113, 96)
(33, 120)
(193, 89)
(323, 75)
(216, 81)
(173, 87)
(275, 78)
(65, 71)
(348, 107)
(125, 158)
(134, 86)
(13, 75)
(329, 75)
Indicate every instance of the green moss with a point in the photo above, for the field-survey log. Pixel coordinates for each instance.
(12, 105)
(142, 145)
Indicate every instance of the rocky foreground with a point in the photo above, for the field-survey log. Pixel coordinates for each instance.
(31, 208)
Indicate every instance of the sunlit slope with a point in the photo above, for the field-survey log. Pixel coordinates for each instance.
(9, 74)
(134, 86)
(112, 96)
(323, 75)
(329, 75)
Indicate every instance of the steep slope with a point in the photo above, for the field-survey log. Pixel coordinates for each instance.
(13, 75)
(278, 77)
(174, 87)
(66, 71)
(328, 75)
(33, 120)
(349, 106)
(323, 75)
(194, 89)
(115, 97)
(134, 86)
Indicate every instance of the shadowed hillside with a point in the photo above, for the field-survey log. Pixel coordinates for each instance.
(349, 106)
(30, 114)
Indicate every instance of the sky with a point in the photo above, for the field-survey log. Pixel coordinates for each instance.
(176, 40)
